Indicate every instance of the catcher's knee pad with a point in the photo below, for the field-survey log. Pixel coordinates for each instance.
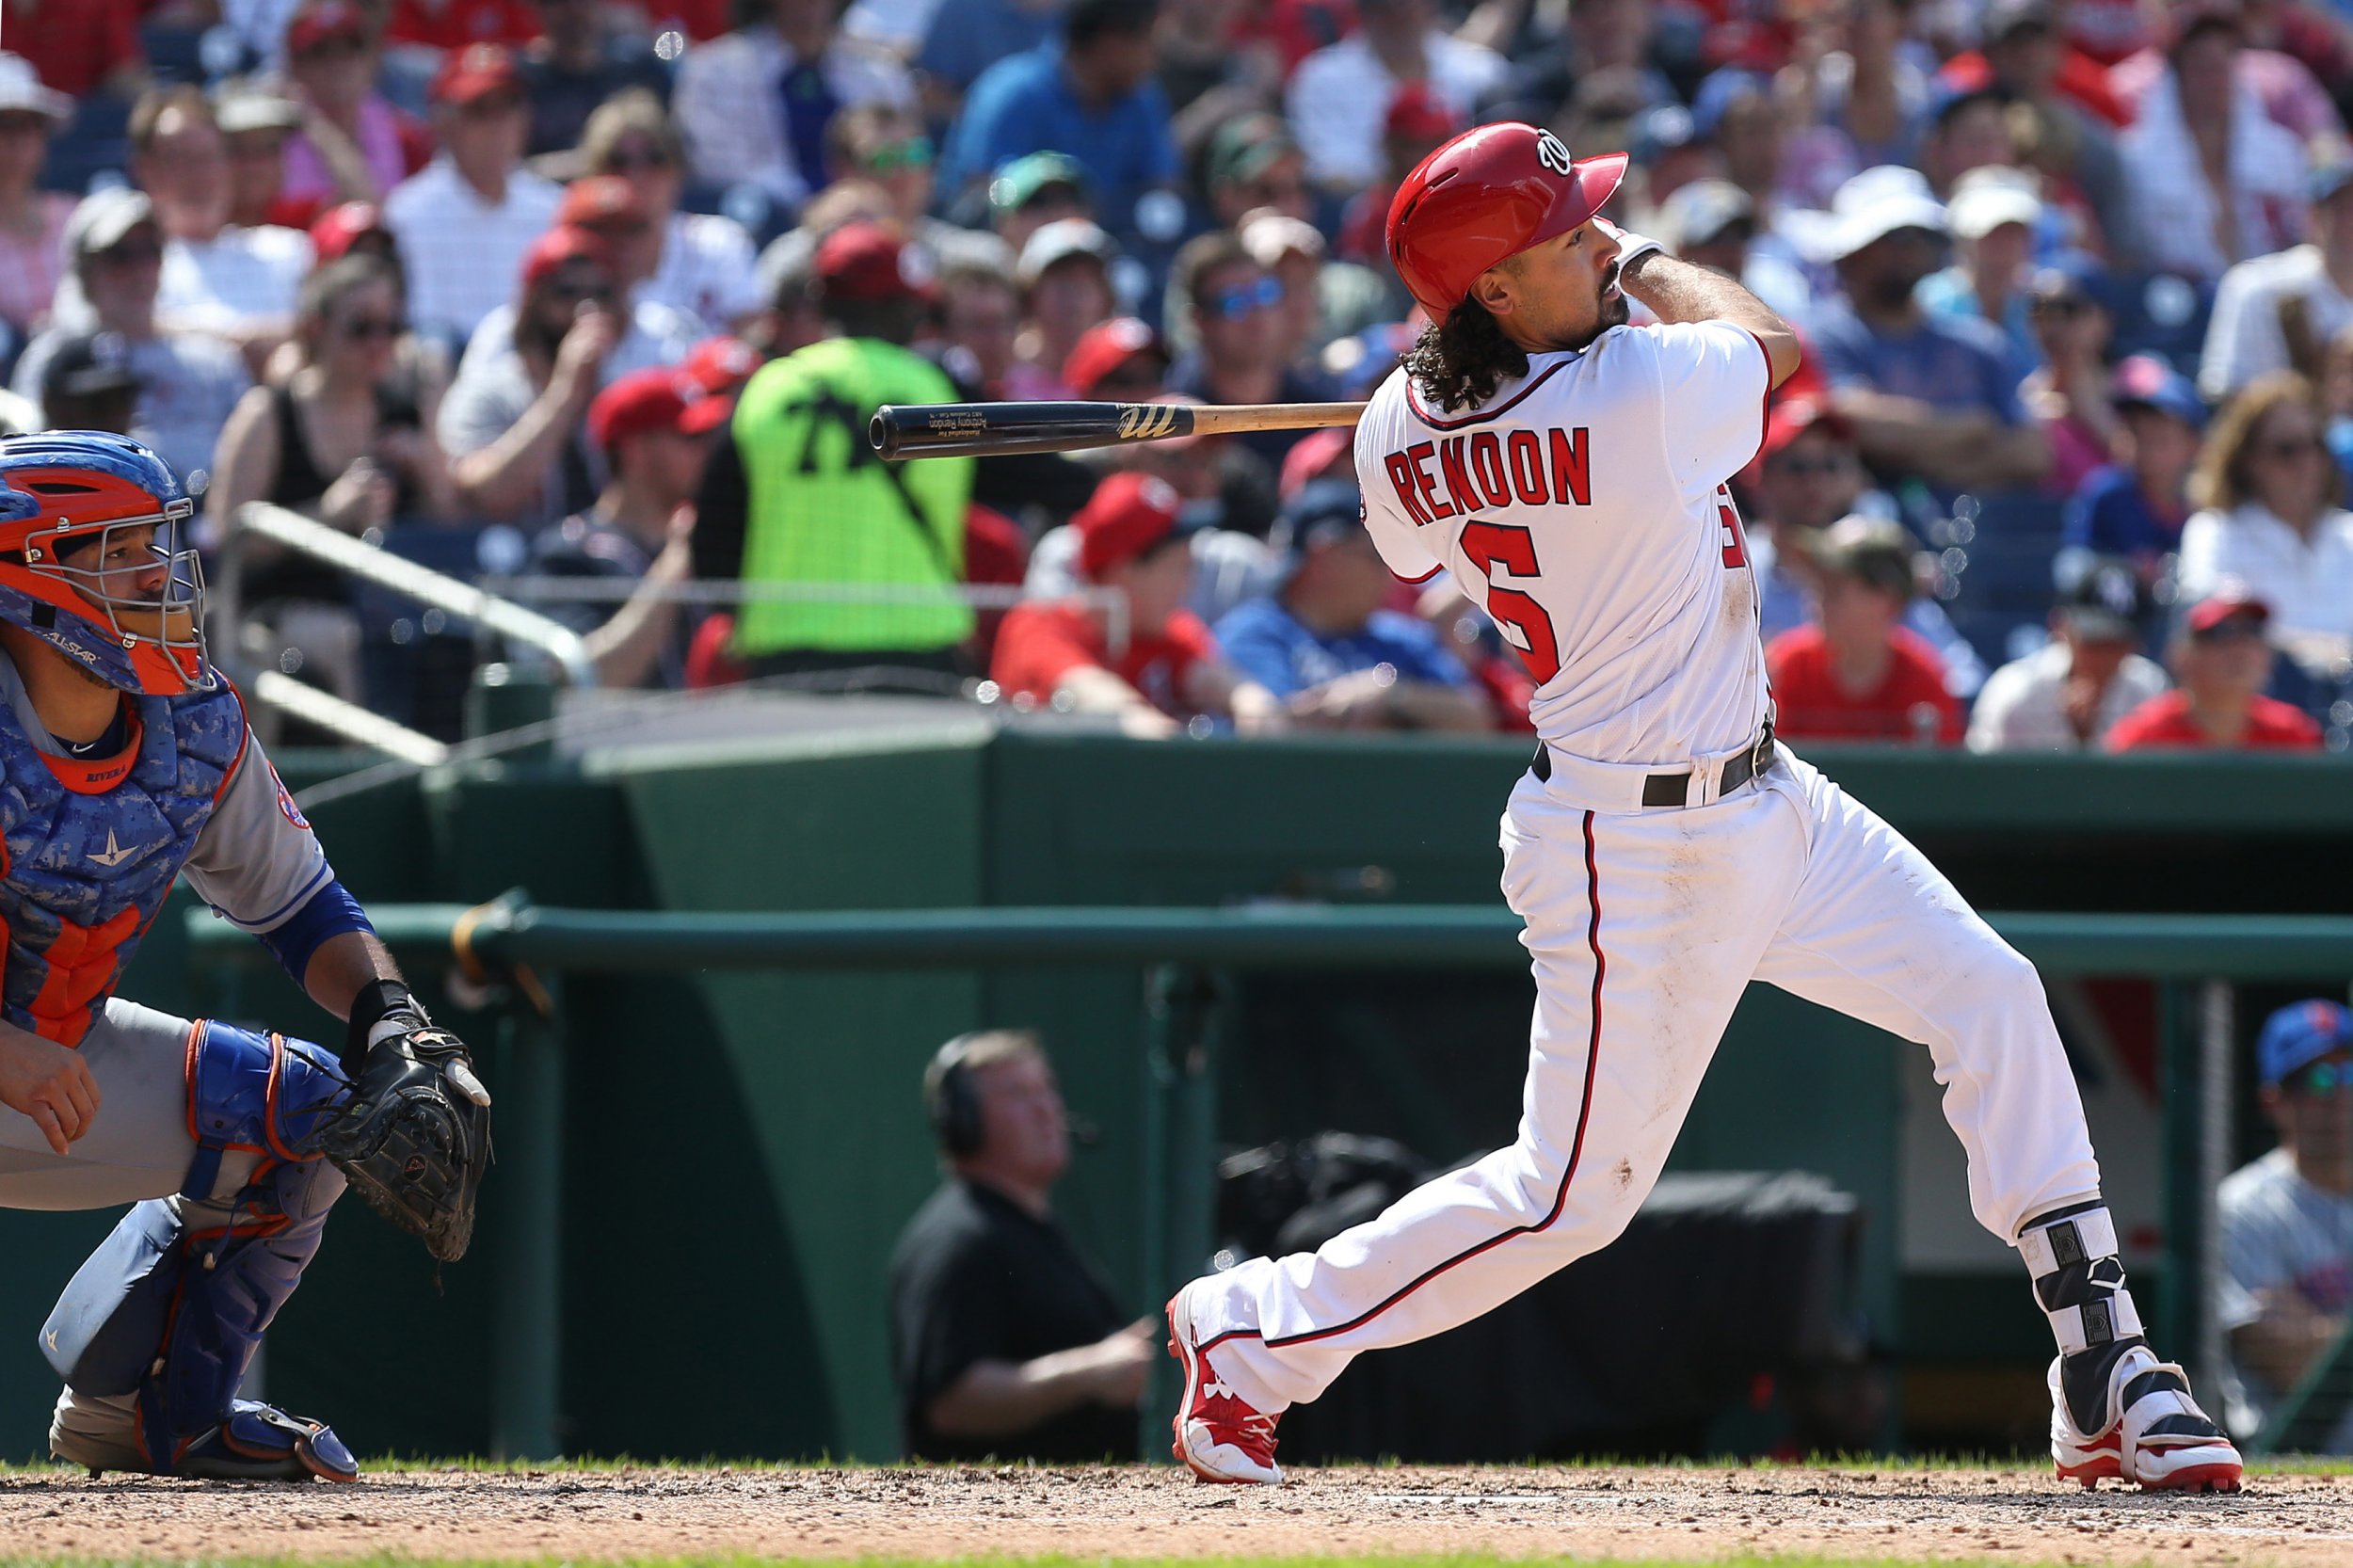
(256, 1093)
(170, 1307)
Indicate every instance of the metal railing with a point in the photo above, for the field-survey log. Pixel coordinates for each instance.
(2197, 958)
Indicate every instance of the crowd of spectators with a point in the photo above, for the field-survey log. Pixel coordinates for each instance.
(2065, 467)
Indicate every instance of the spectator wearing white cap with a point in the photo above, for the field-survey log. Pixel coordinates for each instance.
(2277, 311)
(32, 221)
(1712, 223)
(189, 382)
(1066, 282)
(2214, 179)
(1996, 212)
(1929, 396)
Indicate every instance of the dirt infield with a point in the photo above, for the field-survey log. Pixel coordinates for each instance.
(1908, 1513)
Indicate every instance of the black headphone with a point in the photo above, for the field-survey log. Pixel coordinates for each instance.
(949, 1096)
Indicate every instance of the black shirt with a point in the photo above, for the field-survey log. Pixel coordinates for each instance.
(976, 1278)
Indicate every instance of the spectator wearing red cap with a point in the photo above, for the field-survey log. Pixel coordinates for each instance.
(466, 221)
(352, 145)
(1417, 125)
(1807, 476)
(1857, 673)
(753, 105)
(512, 419)
(2222, 659)
(699, 263)
(721, 365)
(1059, 652)
(1339, 96)
(235, 284)
(2271, 515)
(604, 207)
(341, 441)
(655, 427)
(797, 496)
(1119, 361)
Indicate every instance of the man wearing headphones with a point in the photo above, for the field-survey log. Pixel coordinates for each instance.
(1005, 1341)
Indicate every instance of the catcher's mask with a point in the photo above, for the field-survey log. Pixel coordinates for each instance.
(93, 559)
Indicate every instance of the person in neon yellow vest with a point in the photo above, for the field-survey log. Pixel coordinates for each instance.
(820, 509)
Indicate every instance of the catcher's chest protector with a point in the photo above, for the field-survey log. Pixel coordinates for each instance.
(93, 848)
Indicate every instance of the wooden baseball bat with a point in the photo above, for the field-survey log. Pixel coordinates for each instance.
(996, 429)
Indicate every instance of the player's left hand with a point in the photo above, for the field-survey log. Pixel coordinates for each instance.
(415, 1137)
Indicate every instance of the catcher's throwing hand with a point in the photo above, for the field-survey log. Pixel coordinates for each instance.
(415, 1137)
(49, 1083)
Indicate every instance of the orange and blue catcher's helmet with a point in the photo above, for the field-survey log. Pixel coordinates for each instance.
(77, 572)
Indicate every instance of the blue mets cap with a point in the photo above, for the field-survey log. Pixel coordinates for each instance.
(2300, 1035)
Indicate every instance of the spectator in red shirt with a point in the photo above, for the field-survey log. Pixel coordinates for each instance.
(2222, 662)
(79, 47)
(1058, 651)
(1858, 674)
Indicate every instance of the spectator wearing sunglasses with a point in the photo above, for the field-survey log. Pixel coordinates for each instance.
(888, 146)
(511, 420)
(352, 145)
(576, 67)
(700, 264)
(2223, 662)
(2287, 1217)
(1230, 302)
(2066, 394)
(189, 381)
(341, 440)
(2271, 516)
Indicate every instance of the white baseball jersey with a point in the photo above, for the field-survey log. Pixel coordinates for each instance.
(1584, 507)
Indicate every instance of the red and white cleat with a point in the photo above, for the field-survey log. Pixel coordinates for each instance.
(1219, 1436)
(2156, 1435)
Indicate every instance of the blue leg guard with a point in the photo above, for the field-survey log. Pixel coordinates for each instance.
(171, 1307)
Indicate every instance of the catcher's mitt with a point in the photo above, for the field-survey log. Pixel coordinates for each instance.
(415, 1137)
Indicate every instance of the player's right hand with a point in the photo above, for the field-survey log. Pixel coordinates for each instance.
(49, 1083)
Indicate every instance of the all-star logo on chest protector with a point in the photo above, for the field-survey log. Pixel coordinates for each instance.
(91, 851)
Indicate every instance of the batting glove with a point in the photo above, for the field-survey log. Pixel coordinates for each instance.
(1629, 245)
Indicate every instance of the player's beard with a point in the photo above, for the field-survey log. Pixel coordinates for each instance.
(1616, 311)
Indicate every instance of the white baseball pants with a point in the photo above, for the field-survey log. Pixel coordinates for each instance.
(1643, 929)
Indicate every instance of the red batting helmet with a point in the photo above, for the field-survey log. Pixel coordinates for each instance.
(1485, 196)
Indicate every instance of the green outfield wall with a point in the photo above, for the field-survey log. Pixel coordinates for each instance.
(741, 1149)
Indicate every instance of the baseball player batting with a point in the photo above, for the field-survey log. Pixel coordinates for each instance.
(128, 762)
(1663, 849)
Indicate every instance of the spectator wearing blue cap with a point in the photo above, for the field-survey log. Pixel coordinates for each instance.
(2287, 1218)
(2279, 312)
(2133, 508)
(1323, 642)
(2068, 392)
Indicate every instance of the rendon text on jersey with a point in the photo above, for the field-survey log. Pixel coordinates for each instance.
(1487, 470)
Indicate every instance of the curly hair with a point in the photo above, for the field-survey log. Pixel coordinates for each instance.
(1461, 360)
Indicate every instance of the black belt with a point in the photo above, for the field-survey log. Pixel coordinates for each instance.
(1675, 789)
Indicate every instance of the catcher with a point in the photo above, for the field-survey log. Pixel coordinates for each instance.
(128, 762)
